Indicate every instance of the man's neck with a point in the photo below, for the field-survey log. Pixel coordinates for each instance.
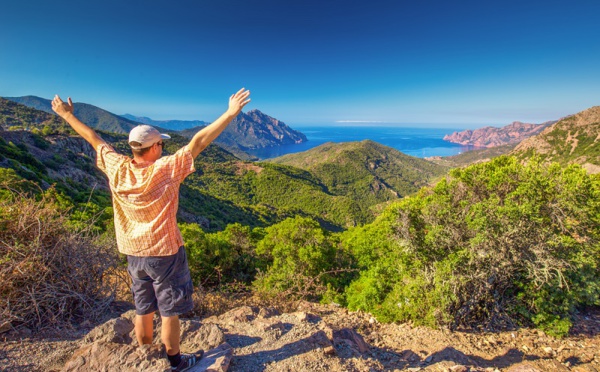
(139, 160)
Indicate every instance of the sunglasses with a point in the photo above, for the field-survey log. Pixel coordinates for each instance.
(161, 143)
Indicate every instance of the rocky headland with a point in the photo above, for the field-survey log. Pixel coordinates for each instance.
(493, 136)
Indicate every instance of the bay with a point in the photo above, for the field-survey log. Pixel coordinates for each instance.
(418, 142)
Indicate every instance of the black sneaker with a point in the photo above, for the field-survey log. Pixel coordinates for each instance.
(188, 361)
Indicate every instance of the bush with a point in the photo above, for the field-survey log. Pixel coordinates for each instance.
(222, 257)
(49, 273)
(302, 260)
(493, 245)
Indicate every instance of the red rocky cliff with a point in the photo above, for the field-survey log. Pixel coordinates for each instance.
(492, 136)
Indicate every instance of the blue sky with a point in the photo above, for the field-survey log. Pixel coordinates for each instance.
(441, 63)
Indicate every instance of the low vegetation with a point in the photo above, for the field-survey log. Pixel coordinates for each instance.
(494, 245)
(54, 265)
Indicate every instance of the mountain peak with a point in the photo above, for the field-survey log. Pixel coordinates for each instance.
(255, 129)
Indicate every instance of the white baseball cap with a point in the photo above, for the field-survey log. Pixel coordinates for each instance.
(146, 136)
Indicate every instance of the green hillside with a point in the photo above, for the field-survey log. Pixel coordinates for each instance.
(472, 157)
(366, 171)
(14, 116)
(575, 139)
(250, 130)
(339, 190)
(224, 190)
(93, 116)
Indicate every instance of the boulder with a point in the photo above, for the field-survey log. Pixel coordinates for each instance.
(115, 330)
(267, 312)
(352, 337)
(241, 314)
(207, 337)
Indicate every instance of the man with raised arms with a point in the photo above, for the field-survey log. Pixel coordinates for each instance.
(145, 194)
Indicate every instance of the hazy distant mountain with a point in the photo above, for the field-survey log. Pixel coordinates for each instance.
(168, 124)
(575, 139)
(367, 171)
(91, 115)
(492, 136)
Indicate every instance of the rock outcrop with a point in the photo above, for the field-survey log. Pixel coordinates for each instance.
(112, 347)
(260, 336)
(315, 337)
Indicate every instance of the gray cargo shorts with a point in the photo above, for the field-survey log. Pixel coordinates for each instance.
(161, 283)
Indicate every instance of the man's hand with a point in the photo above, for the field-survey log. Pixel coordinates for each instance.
(65, 111)
(203, 138)
(61, 108)
(237, 101)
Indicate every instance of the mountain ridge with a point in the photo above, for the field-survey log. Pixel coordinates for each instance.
(177, 125)
(574, 139)
(251, 130)
(95, 117)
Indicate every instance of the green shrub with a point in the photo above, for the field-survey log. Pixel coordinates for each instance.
(302, 260)
(493, 245)
(221, 257)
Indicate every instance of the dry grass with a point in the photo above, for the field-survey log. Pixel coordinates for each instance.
(218, 300)
(50, 275)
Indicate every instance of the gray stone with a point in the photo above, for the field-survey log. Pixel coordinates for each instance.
(243, 314)
(523, 367)
(215, 360)
(208, 336)
(267, 312)
(108, 356)
(115, 330)
(351, 336)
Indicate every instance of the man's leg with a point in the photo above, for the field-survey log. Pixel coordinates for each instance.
(144, 327)
(170, 334)
(144, 297)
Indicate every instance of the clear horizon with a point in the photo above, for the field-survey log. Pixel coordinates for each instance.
(468, 63)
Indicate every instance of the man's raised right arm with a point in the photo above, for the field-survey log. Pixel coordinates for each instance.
(65, 111)
(203, 138)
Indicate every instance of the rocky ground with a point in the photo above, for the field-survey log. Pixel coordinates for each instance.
(312, 338)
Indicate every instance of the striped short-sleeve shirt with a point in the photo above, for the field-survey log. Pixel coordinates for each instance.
(145, 200)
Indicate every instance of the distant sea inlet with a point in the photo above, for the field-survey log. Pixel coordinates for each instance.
(418, 142)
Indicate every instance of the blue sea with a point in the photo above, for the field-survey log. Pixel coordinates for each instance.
(419, 142)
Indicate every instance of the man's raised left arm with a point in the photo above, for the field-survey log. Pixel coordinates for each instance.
(65, 111)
